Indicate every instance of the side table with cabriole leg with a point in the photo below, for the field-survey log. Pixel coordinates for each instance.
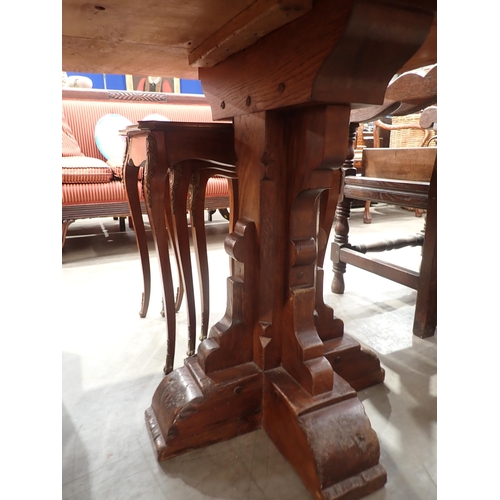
(177, 159)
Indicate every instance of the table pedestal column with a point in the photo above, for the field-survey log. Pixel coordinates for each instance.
(272, 360)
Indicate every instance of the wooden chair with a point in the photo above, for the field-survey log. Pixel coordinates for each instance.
(407, 94)
(404, 132)
(399, 176)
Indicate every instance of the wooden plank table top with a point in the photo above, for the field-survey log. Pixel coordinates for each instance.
(168, 38)
(173, 38)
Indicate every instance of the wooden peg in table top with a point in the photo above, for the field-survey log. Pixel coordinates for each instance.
(348, 65)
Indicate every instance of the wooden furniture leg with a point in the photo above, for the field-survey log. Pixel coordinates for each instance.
(156, 188)
(130, 180)
(425, 320)
(179, 294)
(65, 225)
(279, 376)
(367, 216)
(202, 171)
(360, 144)
(168, 148)
(324, 317)
(342, 214)
(169, 218)
(180, 181)
(198, 183)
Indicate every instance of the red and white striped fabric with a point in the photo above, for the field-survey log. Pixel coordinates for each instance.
(83, 116)
(216, 186)
(70, 146)
(81, 169)
(86, 177)
(75, 194)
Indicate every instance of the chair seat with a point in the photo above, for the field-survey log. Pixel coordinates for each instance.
(395, 192)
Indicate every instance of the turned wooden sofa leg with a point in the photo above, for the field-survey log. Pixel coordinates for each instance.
(65, 225)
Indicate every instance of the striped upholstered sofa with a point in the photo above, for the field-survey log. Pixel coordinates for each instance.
(91, 185)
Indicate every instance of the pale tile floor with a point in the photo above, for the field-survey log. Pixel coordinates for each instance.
(113, 360)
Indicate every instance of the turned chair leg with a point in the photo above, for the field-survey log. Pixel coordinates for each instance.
(341, 238)
(342, 214)
(425, 320)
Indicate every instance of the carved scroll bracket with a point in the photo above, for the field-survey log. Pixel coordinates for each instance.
(229, 342)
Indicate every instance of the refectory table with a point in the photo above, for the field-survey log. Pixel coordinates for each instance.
(288, 73)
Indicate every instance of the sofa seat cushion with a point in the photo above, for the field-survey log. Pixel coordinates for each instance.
(82, 169)
(114, 191)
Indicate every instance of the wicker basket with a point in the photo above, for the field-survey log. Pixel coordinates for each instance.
(410, 138)
(407, 138)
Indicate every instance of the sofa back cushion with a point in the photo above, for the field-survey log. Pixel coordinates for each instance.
(70, 146)
(83, 115)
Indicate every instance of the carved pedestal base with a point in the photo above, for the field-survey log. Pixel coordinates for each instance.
(327, 438)
(279, 359)
(358, 365)
(191, 410)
